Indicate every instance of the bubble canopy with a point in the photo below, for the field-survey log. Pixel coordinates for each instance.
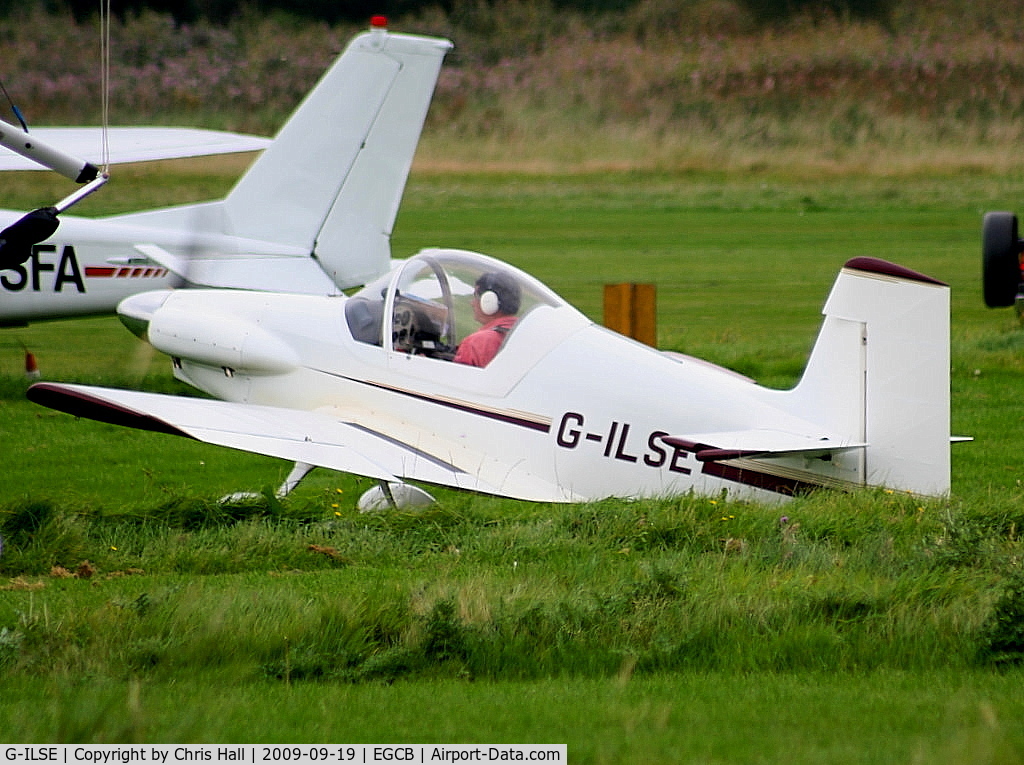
(426, 305)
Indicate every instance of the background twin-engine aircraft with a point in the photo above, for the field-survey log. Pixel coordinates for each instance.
(372, 383)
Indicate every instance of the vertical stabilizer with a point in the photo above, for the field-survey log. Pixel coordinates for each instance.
(879, 373)
(332, 180)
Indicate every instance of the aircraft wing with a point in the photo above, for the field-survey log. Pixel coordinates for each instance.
(310, 437)
(135, 144)
(757, 443)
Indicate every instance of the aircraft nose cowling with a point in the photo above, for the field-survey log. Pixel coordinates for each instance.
(219, 340)
(136, 312)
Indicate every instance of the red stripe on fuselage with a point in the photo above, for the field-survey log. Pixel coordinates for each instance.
(99, 272)
(107, 272)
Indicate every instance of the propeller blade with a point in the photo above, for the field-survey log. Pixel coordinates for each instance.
(17, 239)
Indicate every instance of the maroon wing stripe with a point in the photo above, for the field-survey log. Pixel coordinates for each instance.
(82, 404)
(884, 267)
(712, 455)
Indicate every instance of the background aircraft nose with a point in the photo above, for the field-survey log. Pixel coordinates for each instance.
(137, 311)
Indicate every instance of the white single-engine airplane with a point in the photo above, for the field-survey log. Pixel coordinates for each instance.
(550, 407)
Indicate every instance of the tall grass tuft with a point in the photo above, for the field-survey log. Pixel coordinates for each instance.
(36, 536)
(1002, 640)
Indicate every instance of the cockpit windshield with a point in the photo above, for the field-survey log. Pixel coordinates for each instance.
(451, 305)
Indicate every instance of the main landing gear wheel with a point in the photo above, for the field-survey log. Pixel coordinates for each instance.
(1000, 259)
(394, 496)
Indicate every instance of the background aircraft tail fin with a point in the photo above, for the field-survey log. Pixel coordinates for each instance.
(332, 180)
(879, 373)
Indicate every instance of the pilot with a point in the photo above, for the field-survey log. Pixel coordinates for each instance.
(496, 298)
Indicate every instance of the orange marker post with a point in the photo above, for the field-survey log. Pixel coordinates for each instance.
(631, 310)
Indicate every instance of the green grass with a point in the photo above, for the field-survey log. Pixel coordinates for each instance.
(888, 717)
(869, 627)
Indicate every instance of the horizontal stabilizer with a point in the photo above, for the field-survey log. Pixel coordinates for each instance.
(295, 273)
(752, 444)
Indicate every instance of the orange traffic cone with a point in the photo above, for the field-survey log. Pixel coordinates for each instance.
(31, 367)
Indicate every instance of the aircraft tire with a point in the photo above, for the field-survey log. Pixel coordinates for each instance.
(1000, 254)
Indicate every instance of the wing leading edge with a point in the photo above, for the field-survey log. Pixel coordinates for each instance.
(310, 437)
(136, 144)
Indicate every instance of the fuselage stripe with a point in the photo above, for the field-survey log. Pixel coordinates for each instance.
(541, 424)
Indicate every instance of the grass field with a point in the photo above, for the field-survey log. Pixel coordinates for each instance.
(864, 628)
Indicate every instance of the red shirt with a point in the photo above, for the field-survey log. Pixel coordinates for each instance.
(479, 348)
